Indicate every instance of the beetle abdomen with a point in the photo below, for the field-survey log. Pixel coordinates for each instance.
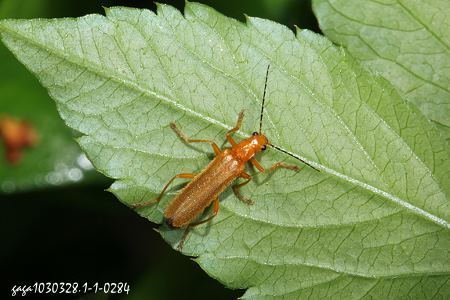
(202, 190)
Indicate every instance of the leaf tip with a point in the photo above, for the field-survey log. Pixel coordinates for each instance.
(247, 18)
(105, 9)
(160, 7)
(187, 5)
(195, 259)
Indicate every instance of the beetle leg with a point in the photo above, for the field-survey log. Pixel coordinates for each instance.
(188, 140)
(183, 238)
(186, 231)
(236, 188)
(157, 199)
(236, 128)
(257, 165)
(274, 167)
(283, 165)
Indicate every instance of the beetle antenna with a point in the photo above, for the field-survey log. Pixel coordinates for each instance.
(263, 99)
(284, 151)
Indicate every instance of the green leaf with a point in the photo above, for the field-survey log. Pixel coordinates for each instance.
(406, 41)
(374, 222)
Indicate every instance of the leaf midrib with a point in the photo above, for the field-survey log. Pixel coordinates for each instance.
(114, 76)
(322, 103)
(328, 268)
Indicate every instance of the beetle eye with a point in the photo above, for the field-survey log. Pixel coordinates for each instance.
(255, 133)
(263, 147)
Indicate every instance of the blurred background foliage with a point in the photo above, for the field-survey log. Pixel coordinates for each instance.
(58, 223)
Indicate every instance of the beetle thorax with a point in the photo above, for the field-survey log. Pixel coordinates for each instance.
(246, 149)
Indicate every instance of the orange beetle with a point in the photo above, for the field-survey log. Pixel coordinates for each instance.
(207, 185)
